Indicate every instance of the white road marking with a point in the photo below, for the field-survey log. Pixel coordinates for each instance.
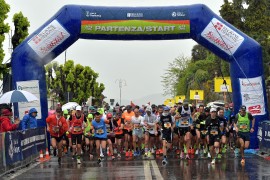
(147, 170)
(156, 170)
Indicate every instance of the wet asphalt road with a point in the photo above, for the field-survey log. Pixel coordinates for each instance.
(225, 168)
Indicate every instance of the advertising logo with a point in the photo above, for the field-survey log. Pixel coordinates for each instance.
(255, 109)
(222, 36)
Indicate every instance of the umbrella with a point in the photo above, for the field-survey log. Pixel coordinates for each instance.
(17, 96)
(69, 105)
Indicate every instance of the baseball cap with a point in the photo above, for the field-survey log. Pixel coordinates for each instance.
(243, 107)
(185, 102)
(78, 108)
(213, 110)
(90, 116)
(109, 115)
(148, 109)
(166, 108)
(65, 111)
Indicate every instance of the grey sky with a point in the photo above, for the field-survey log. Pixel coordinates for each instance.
(146, 60)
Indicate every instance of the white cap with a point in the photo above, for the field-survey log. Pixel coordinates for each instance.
(213, 110)
(78, 108)
(148, 109)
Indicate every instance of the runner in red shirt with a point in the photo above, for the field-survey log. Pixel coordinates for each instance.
(57, 126)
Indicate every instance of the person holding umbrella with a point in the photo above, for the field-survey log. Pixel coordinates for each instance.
(29, 120)
(5, 121)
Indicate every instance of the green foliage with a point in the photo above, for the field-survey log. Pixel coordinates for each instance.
(21, 24)
(76, 80)
(4, 28)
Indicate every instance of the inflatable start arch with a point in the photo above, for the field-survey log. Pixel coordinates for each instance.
(143, 23)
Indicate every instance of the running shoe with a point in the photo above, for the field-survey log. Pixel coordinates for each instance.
(177, 151)
(138, 152)
(182, 156)
(219, 156)
(149, 154)
(135, 154)
(187, 156)
(113, 157)
(208, 155)
(114, 151)
(197, 152)
(192, 151)
(152, 151)
(118, 155)
(74, 157)
(130, 154)
(160, 151)
(164, 161)
(145, 154)
(189, 151)
(102, 155)
(213, 161)
(243, 161)
(99, 160)
(78, 161)
(157, 152)
(127, 153)
(91, 156)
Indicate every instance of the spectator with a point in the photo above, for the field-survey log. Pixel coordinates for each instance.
(5, 121)
(29, 120)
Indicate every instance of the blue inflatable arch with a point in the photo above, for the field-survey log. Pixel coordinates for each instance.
(198, 22)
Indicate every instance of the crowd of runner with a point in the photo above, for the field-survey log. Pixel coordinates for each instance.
(149, 131)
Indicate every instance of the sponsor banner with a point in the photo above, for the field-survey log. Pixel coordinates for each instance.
(180, 99)
(2, 150)
(40, 138)
(32, 87)
(130, 14)
(266, 132)
(135, 27)
(220, 85)
(196, 94)
(28, 147)
(48, 38)
(169, 102)
(222, 36)
(12, 147)
(251, 90)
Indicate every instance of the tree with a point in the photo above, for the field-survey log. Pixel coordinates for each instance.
(198, 52)
(21, 24)
(4, 28)
(75, 81)
(172, 75)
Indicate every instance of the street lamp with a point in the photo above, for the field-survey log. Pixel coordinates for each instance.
(122, 83)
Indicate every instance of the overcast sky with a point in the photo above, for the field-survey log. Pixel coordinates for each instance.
(139, 63)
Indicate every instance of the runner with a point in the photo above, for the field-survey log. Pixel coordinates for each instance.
(202, 132)
(137, 132)
(89, 137)
(223, 130)
(197, 124)
(100, 133)
(76, 129)
(213, 125)
(126, 116)
(243, 130)
(118, 126)
(167, 126)
(110, 135)
(184, 126)
(149, 124)
(57, 126)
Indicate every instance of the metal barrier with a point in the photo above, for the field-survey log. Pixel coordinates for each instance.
(20, 148)
(263, 135)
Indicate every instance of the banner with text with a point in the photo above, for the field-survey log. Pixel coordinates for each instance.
(196, 94)
(32, 87)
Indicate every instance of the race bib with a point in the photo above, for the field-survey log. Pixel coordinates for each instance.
(204, 132)
(77, 128)
(100, 131)
(56, 129)
(214, 132)
(167, 125)
(198, 126)
(243, 126)
(184, 122)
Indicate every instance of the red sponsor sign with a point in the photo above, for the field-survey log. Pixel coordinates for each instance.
(255, 109)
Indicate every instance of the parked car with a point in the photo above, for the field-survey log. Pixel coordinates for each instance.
(215, 104)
